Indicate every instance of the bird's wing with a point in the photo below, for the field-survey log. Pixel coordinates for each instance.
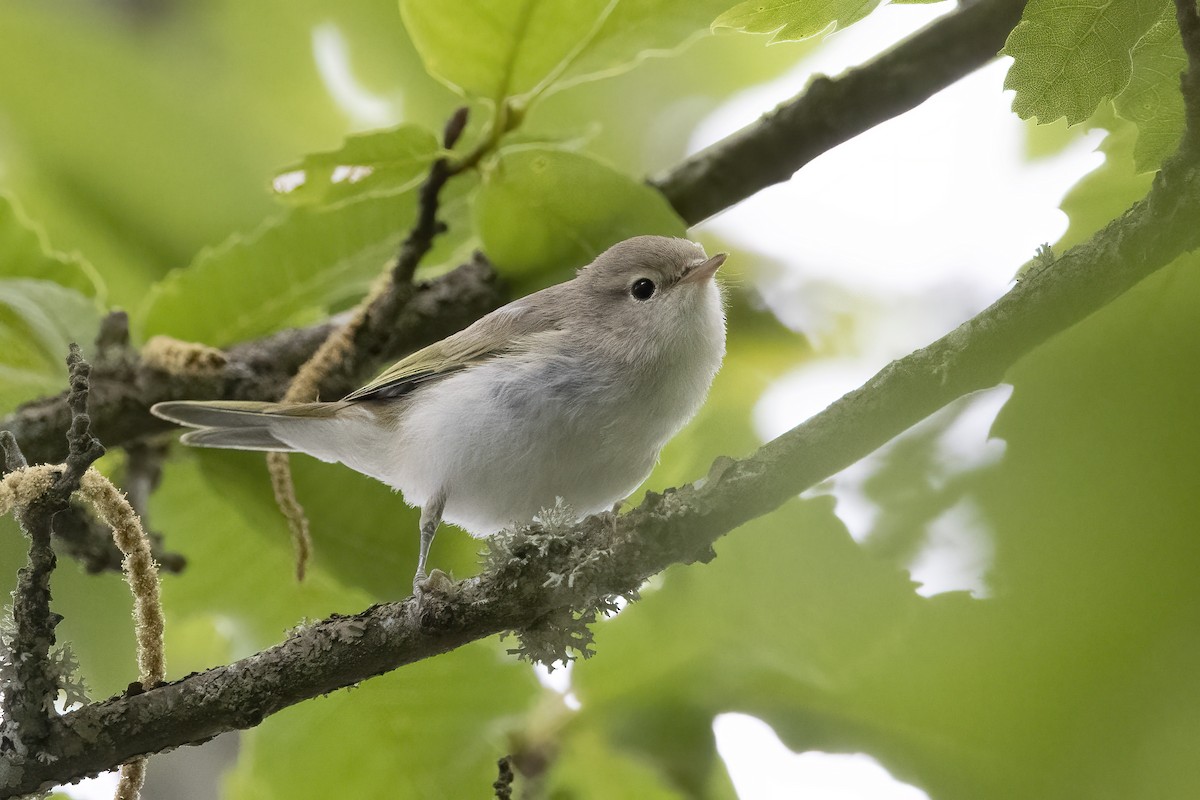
(504, 330)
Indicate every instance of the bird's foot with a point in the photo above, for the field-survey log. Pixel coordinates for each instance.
(436, 582)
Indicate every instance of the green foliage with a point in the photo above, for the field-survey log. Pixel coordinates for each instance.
(1068, 56)
(433, 729)
(533, 46)
(47, 301)
(541, 209)
(1106, 192)
(283, 273)
(391, 161)
(789, 21)
(1152, 99)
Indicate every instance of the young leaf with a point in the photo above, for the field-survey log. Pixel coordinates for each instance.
(542, 209)
(533, 46)
(493, 52)
(1152, 99)
(392, 161)
(639, 29)
(25, 253)
(790, 21)
(292, 265)
(38, 320)
(1069, 55)
(47, 300)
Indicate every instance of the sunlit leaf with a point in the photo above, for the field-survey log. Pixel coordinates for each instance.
(1069, 55)
(390, 161)
(1152, 100)
(293, 265)
(540, 209)
(532, 46)
(791, 21)
(493, 52)
(24, 253)
(1105, 192)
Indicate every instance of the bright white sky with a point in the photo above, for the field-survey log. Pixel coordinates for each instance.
(922, 221)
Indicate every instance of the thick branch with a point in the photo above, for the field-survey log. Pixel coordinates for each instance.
(833, 110)
(605, 556)
(1189, 30)
(257, 370)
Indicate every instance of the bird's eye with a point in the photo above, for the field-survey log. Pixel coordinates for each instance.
(642, 289)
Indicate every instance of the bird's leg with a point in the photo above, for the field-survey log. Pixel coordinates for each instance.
(431, 517)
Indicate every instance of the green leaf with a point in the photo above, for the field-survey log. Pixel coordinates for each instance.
(635, 30)
(1106, 192)
(431, 729)
(793, 20)
(391, 161)
(540, 209)
(803, 618)
(533, 46)
(240, 567)
(1152, 100)
(47, 301)
(24, 253)
(1070, 55)
(374, 550)
(295, 264)
(38, 320)
(493, 52)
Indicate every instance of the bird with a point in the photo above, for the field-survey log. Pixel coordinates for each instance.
(564, 396)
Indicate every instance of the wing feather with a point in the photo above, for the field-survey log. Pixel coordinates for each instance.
(504, 330)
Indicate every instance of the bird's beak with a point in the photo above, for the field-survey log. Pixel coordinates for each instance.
(705, 269)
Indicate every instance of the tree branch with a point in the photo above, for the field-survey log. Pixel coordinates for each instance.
(606, 556)
(1189, 30)
(834, 110)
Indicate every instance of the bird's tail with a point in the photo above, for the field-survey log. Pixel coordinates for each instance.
(237, 424)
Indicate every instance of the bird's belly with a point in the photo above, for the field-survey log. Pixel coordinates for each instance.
(503, 445)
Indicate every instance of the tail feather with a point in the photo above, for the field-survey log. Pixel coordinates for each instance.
(238, 424)
(237, 413)
(215, 413)
(236, 439)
